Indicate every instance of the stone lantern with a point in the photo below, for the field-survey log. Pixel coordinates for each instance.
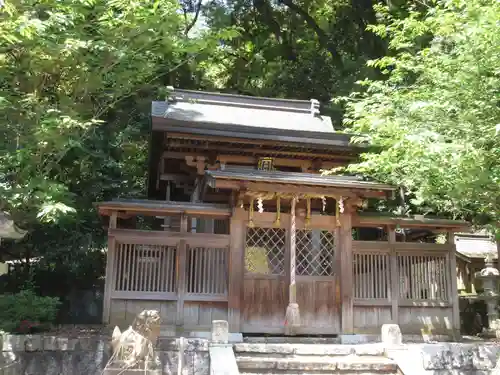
(490, 276)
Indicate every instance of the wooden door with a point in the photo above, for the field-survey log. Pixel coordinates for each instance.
(317, 284)
(265, 285)
(265, 289)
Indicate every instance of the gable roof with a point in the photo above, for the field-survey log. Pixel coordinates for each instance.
(205, 113)
(475, 245)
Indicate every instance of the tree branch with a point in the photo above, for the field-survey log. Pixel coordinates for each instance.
(323, 38)
(195, 18)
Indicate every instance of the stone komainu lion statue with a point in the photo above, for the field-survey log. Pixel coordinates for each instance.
(134, 348)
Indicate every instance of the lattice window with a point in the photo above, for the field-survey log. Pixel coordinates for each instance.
(207, 270)
(423, 277)
(315, 253)
(265, 251)
(145, 268)
(371, 275)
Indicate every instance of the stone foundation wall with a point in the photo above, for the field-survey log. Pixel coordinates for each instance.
(52, 355)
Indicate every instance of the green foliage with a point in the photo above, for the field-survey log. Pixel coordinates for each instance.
(25, 311)
(294, 49)
(76, 81)
(434, 119)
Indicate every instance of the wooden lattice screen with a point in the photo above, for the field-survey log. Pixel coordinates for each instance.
(265, 251)
(207, 270)
(145, 268)
(371, 275)
(423, 277)
(315, 252)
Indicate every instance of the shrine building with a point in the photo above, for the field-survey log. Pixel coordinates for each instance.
(241, 224)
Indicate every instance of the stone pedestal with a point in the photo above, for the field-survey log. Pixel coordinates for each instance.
(220, 332)
(391, 335)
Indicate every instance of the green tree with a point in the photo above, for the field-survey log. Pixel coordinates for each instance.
(76, 81)
(434, 121)
(291, 48)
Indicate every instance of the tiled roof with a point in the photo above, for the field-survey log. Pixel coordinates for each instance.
(296, 178)
(475, 246)
(246, 117)
(245, 111)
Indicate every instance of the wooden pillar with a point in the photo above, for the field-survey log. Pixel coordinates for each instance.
(452, 289)
(181, 273)
(292, 316)
(346, 272)
(236, 268)
(110, 271)
(394, 275)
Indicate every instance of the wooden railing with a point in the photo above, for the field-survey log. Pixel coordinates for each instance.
(151, 265)
(145, 268)
(419, 272)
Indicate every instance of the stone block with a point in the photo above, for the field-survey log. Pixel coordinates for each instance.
(324, 350)
(265, 348)
(367, 366)
(369, 350)
(220, 332)
(233, 337)
(119, 371)
(458, 356)
(356, 339)
(51, 343)
(391, 335)
(222, 360)
(33, 343)
(306, 366)
(252, 363)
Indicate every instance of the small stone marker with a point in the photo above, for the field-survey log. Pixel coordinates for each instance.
(220, 332)
(391, 335)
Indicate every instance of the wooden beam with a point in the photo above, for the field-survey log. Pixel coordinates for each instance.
(292, 318)
(172, 177)
(110, 271)
(438, 225)
(393, 276)
(236, 268)
(162, 208)
(346, 272)
(113, 219)
(260, 142)
(296, 189)
(453, 289)
(252, 160)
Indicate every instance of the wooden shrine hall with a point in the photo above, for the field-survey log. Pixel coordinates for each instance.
(241, 224)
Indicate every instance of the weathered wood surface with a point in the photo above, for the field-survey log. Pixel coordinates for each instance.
(415, 320)
(318, 298)
(236, 269)
(264, 303)
(196, 315)
(346, 270)
(369, 319)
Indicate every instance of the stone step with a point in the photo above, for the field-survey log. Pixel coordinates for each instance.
(291, 340)
(282, 350)
(346, 364)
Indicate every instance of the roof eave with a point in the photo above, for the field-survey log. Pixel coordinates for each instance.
(213, 176)
(317, 139)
